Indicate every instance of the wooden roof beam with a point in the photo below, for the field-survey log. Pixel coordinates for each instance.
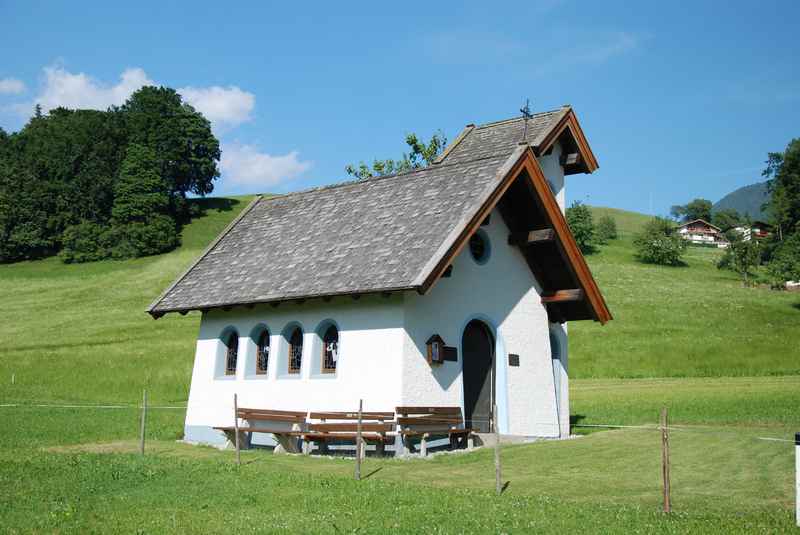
(532, 237)
(562, 296)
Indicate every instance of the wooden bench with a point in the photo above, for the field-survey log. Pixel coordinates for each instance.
(376, 428)
(426, 422)
(285, 426)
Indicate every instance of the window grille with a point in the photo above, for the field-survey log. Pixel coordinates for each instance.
(295, 351)
(232, 354)
(262, 353)
(330, 349)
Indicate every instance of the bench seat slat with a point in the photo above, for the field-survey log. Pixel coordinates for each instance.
(351, 416)
(261, 430)
(368, 437)
(352, 427)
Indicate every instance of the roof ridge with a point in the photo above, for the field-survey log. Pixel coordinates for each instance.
(513, 119)
(403, 174)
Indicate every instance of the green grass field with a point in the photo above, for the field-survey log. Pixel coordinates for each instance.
(723, 358)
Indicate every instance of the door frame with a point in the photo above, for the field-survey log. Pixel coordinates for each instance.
(500, 382)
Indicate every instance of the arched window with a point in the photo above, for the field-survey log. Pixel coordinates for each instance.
(295, 350)
(330, 349)
(232, 353)
(262, 352)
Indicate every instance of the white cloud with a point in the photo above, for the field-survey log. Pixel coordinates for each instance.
(63, 88)
(11, 86)
(223, 106)
(244, 165)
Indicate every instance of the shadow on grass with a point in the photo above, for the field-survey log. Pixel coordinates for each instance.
(504, 487)
(796, 306)
(575, 419)
(372, 473)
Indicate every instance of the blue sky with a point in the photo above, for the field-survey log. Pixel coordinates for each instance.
(678, 99)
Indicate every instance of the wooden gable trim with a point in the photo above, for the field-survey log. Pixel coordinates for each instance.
(456, 245)
(569, 122)
(526, 161)
(575, 260)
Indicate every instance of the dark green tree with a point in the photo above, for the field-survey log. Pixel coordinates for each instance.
(421, 155)
(658, 243)
(186, 149)
(726, 219)
(744, 256)
(783, 170)
(696, 209)
(579, 218)
(606, 229)
(785, 263)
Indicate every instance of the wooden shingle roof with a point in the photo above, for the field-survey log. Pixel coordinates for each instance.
(381, 234)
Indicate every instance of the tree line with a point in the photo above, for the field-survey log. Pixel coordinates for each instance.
(87, 184)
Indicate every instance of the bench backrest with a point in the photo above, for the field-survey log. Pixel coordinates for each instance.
(346, 422)
(273, 415)
(429, 416)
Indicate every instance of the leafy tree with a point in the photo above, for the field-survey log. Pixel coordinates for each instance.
(783, 170)
(743, 256)
(579, 218)
(186, 150)
(726, 219)
(26, 220)
(696, 209)
(140, 224)
(422, 155)
(785, 263)
(658, 243)
(606, 229)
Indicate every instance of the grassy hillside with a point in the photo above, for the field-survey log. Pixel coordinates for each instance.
(80, 332)
(682, 321)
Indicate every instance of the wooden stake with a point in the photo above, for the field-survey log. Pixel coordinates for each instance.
(236, 428)
(142, 423)
(665, 459)
(358, 441)
(797, 477)
(498, 478)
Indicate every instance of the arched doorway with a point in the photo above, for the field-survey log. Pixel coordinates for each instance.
(477, 345)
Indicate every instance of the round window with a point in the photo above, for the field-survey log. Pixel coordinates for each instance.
(479, 247)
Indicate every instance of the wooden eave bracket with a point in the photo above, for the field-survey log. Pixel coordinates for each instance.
(563, 296)
(532, 237)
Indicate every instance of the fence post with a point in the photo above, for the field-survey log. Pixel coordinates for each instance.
(142, 423)
(665, 460)
(358, 441)
(498, 477)
(236, 428)
(797, 477)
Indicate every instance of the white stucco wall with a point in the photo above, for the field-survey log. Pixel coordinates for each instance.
(504, 294)
(368, 366)
(551, 167)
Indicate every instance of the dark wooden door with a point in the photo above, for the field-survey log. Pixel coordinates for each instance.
(478, 367)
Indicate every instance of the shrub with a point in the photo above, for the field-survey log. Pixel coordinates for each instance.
(744, 255)
(606, 229)
(659, 244)
(158, 235)
(580, 223)
(84, 242)
(785, 263)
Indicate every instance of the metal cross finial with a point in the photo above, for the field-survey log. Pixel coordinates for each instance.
(526, 110)
(526, 114)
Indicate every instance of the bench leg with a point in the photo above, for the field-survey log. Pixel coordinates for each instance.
(323, 446)
(470, 442)
(288, 443)
(306, 447)
(423, 445)
(380, 448)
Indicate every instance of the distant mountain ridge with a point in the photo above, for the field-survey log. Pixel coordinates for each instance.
(746, 200)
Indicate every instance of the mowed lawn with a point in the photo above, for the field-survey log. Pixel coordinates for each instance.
(723, 358)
